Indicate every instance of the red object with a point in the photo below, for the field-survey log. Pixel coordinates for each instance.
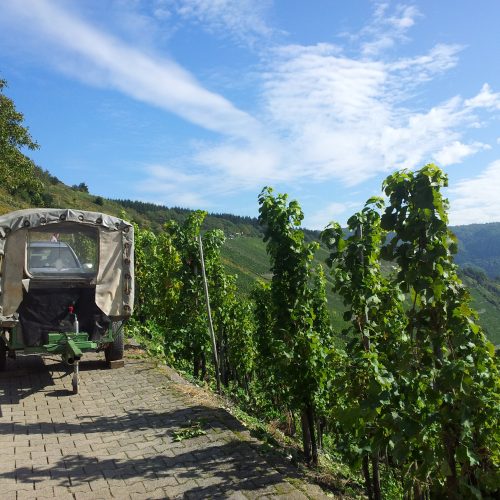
(71, 309)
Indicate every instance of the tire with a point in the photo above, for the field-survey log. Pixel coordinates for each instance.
(3, 355)
(114, 351)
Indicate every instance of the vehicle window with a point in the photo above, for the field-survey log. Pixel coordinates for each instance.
(62, 251)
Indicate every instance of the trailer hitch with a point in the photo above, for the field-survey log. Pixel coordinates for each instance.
(72, 353)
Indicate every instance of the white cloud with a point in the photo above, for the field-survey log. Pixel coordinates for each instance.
(477, 199)
(168, 185)
(457, 151)
(485, 99)
(329, 116)
(338, 212)
(322, 115)
(91, 54)
(416, 70)
(244, 165)
(348, 119)
(387, 28)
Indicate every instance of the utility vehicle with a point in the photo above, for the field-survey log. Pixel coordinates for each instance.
(66, 284)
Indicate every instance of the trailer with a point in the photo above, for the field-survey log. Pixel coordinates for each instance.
(66, 284)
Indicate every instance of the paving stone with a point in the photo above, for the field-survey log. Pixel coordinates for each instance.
(237, 495)
(93, 495)
(45, 492)
(8, 484)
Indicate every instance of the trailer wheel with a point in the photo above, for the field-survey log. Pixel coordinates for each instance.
(114, 351)
(3, 355)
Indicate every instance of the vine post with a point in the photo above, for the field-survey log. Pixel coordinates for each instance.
(209, 315)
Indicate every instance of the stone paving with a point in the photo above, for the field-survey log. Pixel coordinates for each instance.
(115, 439)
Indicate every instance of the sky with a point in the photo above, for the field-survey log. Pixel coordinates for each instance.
(202, 103)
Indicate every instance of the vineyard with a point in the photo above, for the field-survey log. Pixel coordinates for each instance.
(408, 391)
(364, 345)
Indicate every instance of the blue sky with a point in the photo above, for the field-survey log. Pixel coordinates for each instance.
(201, 103)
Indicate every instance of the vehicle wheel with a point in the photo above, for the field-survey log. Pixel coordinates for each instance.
(114, 351)
(3, 355)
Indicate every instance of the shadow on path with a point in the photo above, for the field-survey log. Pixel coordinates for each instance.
(226, 468)
(138, 444)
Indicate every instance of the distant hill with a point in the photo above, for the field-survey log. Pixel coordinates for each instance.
(246, 257)
(479, 246)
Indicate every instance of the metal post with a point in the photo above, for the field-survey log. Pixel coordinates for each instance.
(209, 313)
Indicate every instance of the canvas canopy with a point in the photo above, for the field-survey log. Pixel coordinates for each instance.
(114, 277)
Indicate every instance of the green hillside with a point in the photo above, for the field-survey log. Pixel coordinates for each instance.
(247, 258)
(486, 300)
(245, 255)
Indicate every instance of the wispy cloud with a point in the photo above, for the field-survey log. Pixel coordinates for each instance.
(457, 151)
(387, 27)
(485, 99)
(338, 212)
(242, 21)
(89, 53)
(348, 118)
(171, 186)
(476, 199)
(414, 71)
(332, 116)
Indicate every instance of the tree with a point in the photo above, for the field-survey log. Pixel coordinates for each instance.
(156, 290)
(17, 172)
(82, 187)
(232, 317)
(189, 318)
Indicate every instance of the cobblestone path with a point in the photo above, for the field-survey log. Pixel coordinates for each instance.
(115, 439)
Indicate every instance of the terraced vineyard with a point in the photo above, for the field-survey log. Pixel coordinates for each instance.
(245, 256)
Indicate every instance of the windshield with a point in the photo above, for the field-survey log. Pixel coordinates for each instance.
(70, 251)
